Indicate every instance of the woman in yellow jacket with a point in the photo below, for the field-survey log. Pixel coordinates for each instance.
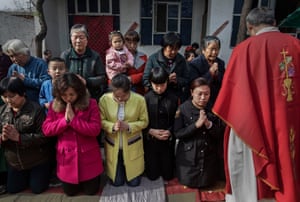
(124, 116)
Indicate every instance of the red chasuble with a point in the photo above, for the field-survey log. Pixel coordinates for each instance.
(260, 100)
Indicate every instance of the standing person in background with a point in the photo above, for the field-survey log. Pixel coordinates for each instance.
(85, 62)
(47, 55)
(135, 73)
(259, 100)
(173, 62)
(31, 70)
(159, 140)
(27, 150)
(209, 66)
(56, 68)
(75, 119)
(197, 130)
(195, 47)
(189, 53)
(118, 58)
(124, 116)
(5, 63)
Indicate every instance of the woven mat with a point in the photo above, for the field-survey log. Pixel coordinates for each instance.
(148, 191)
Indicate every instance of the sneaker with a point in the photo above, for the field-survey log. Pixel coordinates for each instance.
(2, 189)
(55, 182)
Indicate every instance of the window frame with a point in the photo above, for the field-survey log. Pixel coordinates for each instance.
(155, 33)
(237, 14)
(178, 18)
(90, 13)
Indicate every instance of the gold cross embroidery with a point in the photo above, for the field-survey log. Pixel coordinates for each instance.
(287, 82)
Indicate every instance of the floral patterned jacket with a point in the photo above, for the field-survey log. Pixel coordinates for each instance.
(33, 147)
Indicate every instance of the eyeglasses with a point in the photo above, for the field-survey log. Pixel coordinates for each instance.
(80, 37)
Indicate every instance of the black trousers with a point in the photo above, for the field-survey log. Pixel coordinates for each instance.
(159, 159)
(89, 187)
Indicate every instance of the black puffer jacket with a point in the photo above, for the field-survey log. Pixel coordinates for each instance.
(196, 154)
(33, 148)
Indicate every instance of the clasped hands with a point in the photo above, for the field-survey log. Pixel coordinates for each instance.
(121, 126)
(9, 132)
(214, 69)
(160, 134)
(202, 120)
(69, 114)
(19, 75)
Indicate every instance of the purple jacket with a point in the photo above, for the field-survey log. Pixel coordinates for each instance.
(78, 154)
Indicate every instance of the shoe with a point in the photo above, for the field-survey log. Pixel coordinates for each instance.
(2, 189)
(55, 182)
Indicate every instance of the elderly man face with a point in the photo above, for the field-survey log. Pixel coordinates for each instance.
(79, 42)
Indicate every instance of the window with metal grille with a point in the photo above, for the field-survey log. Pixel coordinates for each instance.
(237, 9)
(95, 7)
(161, 16)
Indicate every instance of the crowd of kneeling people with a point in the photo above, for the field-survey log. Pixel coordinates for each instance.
(152, 115)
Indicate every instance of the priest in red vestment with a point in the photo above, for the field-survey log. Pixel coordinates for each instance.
(260, 102)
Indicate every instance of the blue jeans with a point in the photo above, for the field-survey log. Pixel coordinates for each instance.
(121, 175)
(37, 178)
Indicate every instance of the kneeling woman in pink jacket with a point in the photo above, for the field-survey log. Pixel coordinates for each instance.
(75, 119)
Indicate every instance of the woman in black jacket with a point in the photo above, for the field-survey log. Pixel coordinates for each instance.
(197, 130)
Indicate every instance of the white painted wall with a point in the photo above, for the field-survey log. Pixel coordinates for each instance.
(57, 38)
(17, 27)
(219, 11)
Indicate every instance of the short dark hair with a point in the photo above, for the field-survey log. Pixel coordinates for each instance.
(171, 39)
(132, 35)
(120, 81)
(46, 52)
(13, 85)
(57, 59)
(200, 81)
(158, 75)
(195, 45)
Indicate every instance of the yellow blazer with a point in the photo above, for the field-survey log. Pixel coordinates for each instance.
(136, 116)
